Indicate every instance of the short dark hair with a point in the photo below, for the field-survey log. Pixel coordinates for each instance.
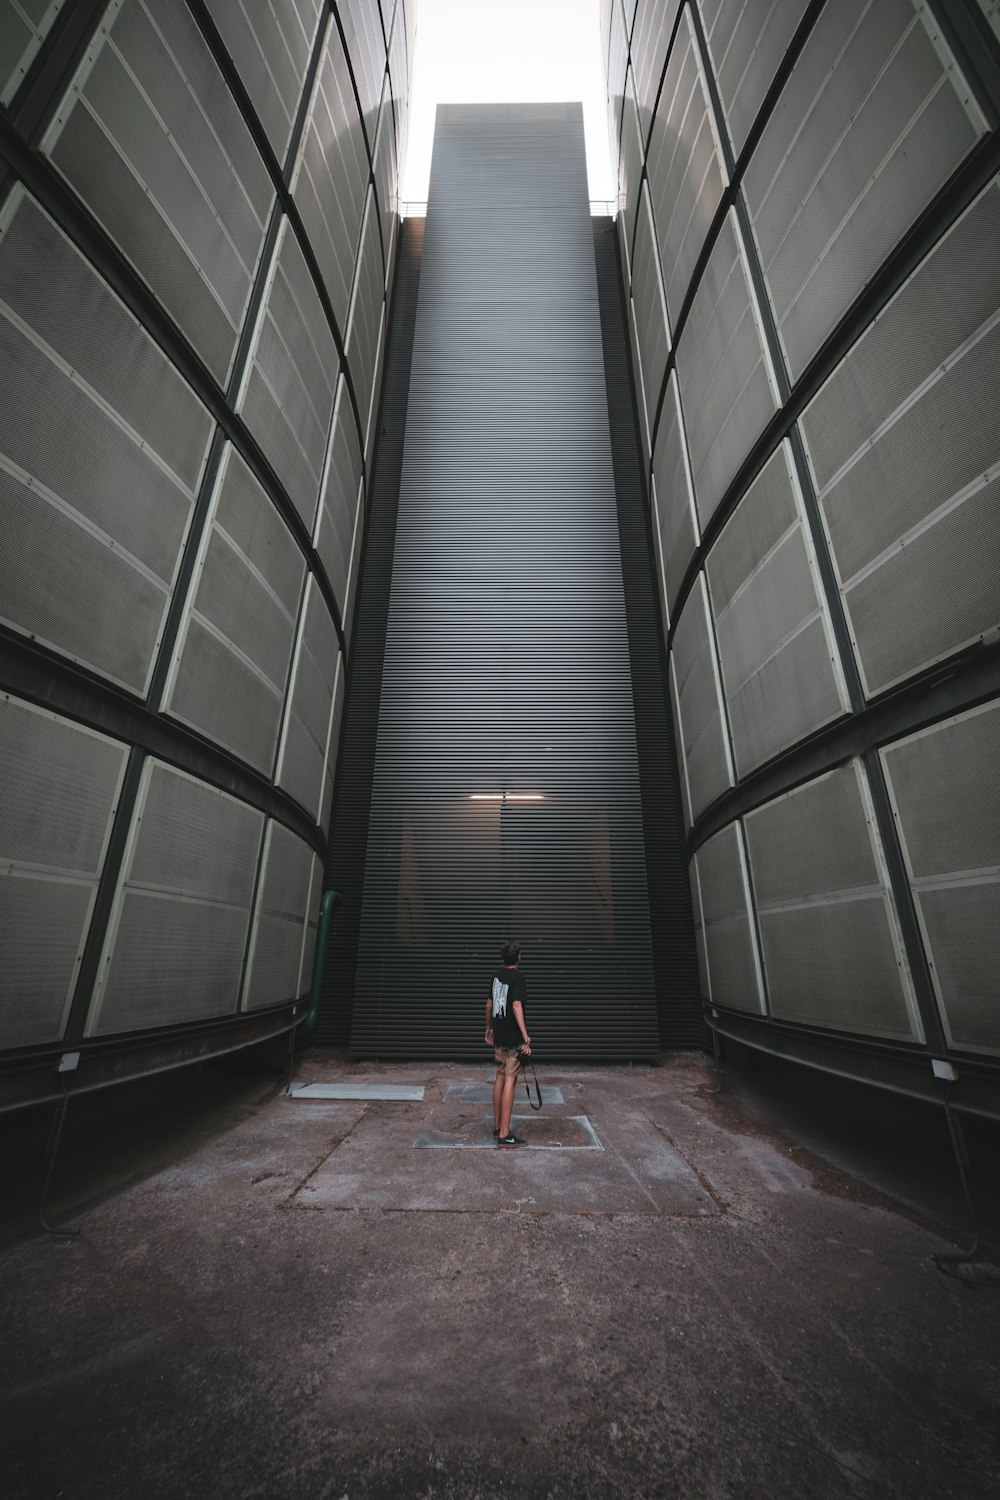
(510, 953)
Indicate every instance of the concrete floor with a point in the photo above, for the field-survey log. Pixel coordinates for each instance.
(661, 1294)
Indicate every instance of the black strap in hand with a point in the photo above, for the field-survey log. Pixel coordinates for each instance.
(525, 1064)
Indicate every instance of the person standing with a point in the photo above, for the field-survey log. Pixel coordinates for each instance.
(507, 1034)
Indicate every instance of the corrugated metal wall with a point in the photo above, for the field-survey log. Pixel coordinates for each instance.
(506, 789)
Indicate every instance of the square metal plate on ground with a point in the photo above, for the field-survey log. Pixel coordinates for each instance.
(405, 1092)
(556, 1133)
(482, 1093)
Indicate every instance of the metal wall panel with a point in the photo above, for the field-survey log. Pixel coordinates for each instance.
(943, 785)
(727, 390)
(747, 43)
(701, 731)
(654, 25)
(101, 448)
(270, 45)
(686, 173)
(384, 171)
(870, 124)
(650, 308)
(58, 794)
(335, 521)
(677, 522)
(730, 946)
(305, 740)
(905, 454)
(283, 901)
(366, 310)
(399, 81)
(617, 66)
(366, 48)
(506, 671)
(780, 670)
(24, 25)
(832, 952)
(153, 142)
(174, 950)
(630, 167)
(288, 397)
(331, 175)
(236, 640)
(991, 10)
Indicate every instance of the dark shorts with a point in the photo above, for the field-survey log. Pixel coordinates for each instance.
(508, 1060)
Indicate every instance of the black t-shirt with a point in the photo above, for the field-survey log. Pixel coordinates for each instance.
(508, 986)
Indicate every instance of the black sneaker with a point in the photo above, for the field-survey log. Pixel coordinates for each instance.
(509, 1140)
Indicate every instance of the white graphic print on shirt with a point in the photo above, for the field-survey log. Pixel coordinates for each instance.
(499, 997)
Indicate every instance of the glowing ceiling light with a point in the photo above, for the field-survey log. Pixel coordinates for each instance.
(506, 797)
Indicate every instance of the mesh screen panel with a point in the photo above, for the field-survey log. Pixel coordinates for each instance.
(775, 652)
(700, 733)
(49, 285)
(617, 65)
(289, 396)
(220, 693)
(747, 43)
(270, 46)
(726, 393)
(650, 308)
(886, 126)
(331, 175)
(366, 48)
(283, 902)
(399, 70)
(836, 965)
(307, 722)
(654, 22)
(630, 168)
(57, 798)
(174, 951)
(675, 501)
(366, 310)
(686, 175)
(384, 170)
(24, 25)
(831, 952)
(812, 841)
(729, 944)
(335, 532)
(943, 785)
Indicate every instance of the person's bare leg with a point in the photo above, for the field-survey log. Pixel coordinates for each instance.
(507, 1104)
(497, 1098)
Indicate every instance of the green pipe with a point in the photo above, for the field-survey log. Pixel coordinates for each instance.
(331, 900)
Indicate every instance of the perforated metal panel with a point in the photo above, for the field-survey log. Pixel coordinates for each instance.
(726, 386)
(730, 950)
(58, 794)
(306, 735)
(747, 43)
(650, 307)
(780, 670)
(943, 786)
(678, 524)
(94, 519)
(153, 142)
(283, 903)
(630, 167)
(335, 522)
(385, 180)
(652, 30)
(366, 48)
(701, 733)
(991, 10)
(686, 174)
(175, 944)
(399, 79)
(366, 310)
(832, 953)
(24, 25)
(331, 175)
(270, 45)
(288, 396)
(236, 640)
(617, 65)
(904, 446)
(873, 119)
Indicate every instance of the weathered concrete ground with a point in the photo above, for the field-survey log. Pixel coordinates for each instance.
(306, 1305)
